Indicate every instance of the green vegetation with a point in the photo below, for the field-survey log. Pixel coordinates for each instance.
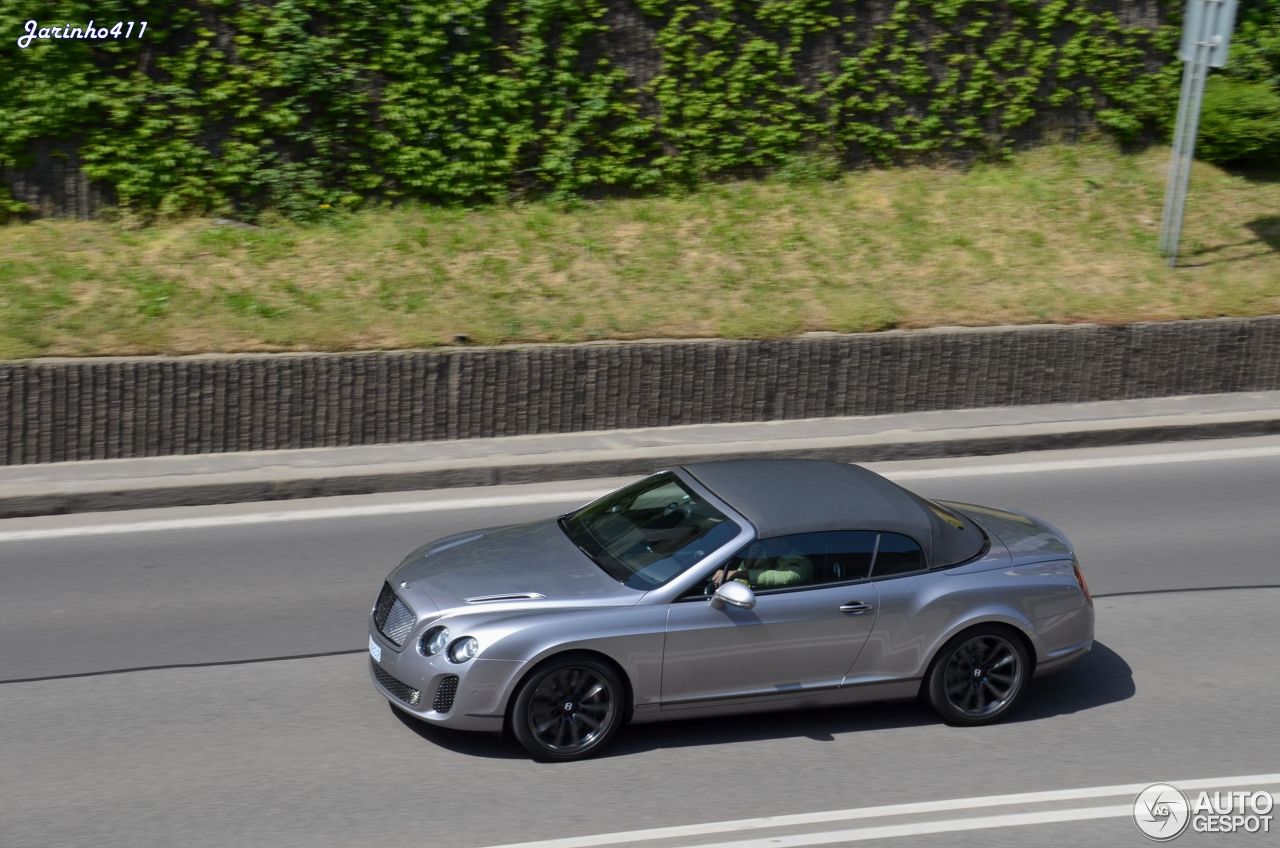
(1240, 122)
(296, 106)
(1061, 233)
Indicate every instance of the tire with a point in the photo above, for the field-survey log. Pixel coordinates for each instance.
(978, 676)
(568, 709)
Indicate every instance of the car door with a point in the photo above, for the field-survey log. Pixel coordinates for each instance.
(814, 610)
(911, 614)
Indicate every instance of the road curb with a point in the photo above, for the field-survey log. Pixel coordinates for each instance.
(291, 485)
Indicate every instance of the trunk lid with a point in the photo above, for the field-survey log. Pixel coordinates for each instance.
(1027, 538)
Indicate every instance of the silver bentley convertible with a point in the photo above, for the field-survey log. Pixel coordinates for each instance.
(727, 587)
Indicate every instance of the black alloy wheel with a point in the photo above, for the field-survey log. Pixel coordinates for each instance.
(568, 709)
(978, 676)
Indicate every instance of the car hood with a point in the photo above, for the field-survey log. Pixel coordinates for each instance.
(522, 563)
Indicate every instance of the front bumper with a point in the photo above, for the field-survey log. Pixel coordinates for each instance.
(482, 686)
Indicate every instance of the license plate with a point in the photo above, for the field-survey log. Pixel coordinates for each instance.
(375, 650)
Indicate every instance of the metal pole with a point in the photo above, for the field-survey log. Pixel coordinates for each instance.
(1197, 93)
(1195, 73)
(1172, 196)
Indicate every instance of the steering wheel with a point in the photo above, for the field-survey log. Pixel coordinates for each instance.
(677, 509)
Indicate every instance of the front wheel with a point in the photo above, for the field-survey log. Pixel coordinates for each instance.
(978, 676)
(568, 709)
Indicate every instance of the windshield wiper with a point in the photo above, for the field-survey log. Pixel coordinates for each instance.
(563, 523)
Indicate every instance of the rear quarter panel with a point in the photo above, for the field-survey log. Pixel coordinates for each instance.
(919, 613)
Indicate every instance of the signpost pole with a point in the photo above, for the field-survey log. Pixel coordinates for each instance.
(1174, 197)
(1205, 36)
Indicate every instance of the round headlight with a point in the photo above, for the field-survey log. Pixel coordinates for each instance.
(463, 649)
(433, 641)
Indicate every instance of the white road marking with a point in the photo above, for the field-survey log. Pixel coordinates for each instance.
(888, 831)
(585, 495)
(1128, 790)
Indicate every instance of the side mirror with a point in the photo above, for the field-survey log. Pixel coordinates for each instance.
(735, 594)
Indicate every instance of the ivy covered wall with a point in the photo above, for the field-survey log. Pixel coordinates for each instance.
(228, 107)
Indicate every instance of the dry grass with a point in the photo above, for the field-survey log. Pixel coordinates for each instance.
(1063, 233)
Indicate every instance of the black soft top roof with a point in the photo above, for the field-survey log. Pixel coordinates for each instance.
(784, 496)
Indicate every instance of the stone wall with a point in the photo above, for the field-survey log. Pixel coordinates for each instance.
(52, 411)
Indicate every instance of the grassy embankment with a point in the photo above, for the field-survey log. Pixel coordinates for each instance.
(1062, 233)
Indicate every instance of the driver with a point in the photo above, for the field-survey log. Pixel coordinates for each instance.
(761, 571)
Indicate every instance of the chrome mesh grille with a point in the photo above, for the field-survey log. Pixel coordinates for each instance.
(385, 599)
(392, 618)
(403, 691)
(445, 692)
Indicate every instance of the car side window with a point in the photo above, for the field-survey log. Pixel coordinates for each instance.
(796, 561)
(897, 554)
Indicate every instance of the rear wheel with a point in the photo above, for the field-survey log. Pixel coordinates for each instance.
(978, 676)
(568, 709)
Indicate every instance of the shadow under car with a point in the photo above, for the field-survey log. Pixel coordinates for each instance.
(1100, 677)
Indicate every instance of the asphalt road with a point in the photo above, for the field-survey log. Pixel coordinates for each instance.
(259, 751)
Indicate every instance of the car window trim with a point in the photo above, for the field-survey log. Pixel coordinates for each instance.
(787, 589)
(915, 573)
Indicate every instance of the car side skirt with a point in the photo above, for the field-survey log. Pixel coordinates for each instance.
(834, 696)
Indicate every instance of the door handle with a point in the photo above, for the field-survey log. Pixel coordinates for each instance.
(855, 608)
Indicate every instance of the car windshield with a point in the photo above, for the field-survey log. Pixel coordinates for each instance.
(649, 532)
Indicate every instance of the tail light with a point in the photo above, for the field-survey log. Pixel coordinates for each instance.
(1084, 587)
